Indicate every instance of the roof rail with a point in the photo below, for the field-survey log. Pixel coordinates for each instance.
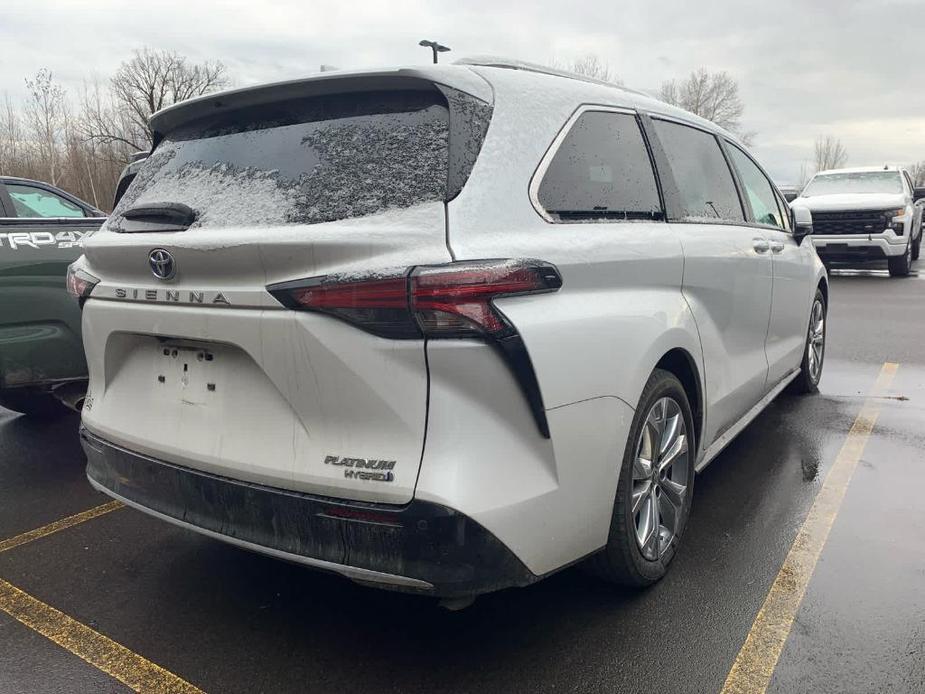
(512, 64)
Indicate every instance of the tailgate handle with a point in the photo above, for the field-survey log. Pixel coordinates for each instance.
(158, 216)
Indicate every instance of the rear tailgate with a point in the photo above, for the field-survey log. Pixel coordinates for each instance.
(205, 368)
(244, 388)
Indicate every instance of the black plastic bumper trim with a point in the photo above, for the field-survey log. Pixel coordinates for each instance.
(372, 543)
(845, 253)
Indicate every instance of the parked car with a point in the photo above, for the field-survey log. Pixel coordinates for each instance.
(790, 193)
(919, 195)
(444, 329)
(42, 366)
(865, 214)
(128, 175)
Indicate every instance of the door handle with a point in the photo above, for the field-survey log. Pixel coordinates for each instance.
(760, 245)
(777, 246)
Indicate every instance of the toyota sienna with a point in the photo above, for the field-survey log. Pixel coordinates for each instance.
(443, 330)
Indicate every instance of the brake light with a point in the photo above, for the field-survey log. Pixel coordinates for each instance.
(453, 300)
(80, 283)
(456, 300)
(376, 304)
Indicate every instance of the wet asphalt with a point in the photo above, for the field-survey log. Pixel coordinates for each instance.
(230, 621)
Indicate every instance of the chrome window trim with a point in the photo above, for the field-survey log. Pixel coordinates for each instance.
(540, 171)
(654, 115)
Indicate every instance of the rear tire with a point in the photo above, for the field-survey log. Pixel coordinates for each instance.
(657, 474)
(900, 264)
(33, 403)
(807, 381)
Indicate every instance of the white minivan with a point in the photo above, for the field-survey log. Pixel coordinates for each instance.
(445, 329)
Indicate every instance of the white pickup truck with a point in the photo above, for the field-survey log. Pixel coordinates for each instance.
(865, 214)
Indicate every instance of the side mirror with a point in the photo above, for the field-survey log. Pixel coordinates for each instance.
(918, 193)
(801, 222)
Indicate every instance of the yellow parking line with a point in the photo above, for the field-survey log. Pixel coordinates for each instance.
(101, 652)
(68, 522)
(758, 657)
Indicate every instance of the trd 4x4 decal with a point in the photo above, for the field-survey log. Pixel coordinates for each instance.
(36, 239)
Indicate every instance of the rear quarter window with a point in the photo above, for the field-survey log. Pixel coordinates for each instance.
(601, 171)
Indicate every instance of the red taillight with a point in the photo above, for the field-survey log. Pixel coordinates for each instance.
(453, 300)
(367, 293)
(374, 303)
(436, 301)
(80, 283)
(456, 300)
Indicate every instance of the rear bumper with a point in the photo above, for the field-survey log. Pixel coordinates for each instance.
(419, 547)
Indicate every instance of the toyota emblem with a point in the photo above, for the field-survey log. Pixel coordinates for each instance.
(162, 265)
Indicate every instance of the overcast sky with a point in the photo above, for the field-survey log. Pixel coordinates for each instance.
(853, 69)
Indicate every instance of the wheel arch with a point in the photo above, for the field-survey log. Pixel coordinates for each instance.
(823, 286)
(682, 364)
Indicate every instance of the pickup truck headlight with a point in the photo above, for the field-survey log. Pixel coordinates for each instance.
(80, 283)
(897, 220)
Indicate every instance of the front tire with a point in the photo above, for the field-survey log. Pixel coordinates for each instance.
(916, 247)
(33, 403)
(807, 381)
(901, 264)
(656, 482)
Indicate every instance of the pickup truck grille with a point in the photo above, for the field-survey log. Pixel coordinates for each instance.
(851, 222)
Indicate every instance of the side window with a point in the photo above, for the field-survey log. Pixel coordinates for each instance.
(701, 173)
(758, 188)
(784, 213)
(29, 201)
(601, 171)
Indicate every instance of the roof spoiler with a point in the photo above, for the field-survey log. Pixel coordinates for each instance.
(459, 78)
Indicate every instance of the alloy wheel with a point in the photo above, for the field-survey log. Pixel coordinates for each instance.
(816, 346)
(660, 478)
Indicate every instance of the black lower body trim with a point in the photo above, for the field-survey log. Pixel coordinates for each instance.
(843, 253)
(443, 552)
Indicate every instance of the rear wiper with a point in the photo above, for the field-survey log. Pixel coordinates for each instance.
(158, 216)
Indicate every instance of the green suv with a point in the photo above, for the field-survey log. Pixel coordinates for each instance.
(42, 365)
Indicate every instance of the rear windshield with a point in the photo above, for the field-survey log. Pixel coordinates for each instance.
(860, 182)
(303, 162)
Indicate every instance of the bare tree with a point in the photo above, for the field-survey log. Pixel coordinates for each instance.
(589, 65)
(107, 126)
(83, 146)
(11, 137)
(710, 95)
(917, 171)
(805, 175)
(150, 81)
(830, 153)
(46, 113)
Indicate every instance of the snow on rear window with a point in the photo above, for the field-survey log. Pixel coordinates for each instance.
(302, 162)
